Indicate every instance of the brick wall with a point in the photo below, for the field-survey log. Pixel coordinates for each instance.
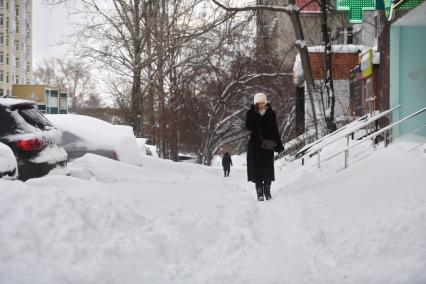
(311, 7)
(342, 63)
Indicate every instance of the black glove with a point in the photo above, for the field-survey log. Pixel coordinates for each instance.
(279, 148)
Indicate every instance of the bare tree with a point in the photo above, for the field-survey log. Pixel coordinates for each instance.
(293, 11)
(71, 76)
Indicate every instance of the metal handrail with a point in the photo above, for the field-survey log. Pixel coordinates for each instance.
(346, 150)
(347, 132)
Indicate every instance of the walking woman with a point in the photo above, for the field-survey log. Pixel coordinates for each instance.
(264, 140)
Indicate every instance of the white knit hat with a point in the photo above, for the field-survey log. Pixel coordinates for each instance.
(260, 97)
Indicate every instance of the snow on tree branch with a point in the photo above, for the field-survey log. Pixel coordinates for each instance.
(286, 9)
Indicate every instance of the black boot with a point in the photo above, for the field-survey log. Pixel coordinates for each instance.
(259, 190)
(267, 191)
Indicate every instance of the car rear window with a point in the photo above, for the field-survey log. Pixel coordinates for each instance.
(34, 117)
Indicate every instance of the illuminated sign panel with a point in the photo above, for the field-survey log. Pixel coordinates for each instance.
(355, 8)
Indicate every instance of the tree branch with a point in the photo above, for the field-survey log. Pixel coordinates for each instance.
(286, 9)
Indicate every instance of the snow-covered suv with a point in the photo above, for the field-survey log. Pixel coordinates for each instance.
(34, 141)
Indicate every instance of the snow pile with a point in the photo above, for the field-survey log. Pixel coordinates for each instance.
(166, 222)
(96, 134)
(142, 145)
(7, 159)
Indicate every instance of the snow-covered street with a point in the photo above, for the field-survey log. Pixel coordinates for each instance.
(165, 222)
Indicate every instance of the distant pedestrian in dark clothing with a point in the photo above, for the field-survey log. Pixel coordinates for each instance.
(226, 164)
(262, 123)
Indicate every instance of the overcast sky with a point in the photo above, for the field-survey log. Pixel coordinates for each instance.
(51, 25)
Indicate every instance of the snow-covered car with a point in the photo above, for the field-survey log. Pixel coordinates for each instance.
(146, 149)
(187, 158)
(34, 141)
(83, 134)
(8, 164)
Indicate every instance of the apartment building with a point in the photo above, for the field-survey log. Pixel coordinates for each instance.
(15, 44)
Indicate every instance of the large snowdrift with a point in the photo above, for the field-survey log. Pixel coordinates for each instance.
(111, 222)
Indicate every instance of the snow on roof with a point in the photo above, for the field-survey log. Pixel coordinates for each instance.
(11, 102)
(415, 17)
(339, 48)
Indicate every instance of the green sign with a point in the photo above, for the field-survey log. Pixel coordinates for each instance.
(390, 6)
(355, 8)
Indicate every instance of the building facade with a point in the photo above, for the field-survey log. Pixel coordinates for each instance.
(48, 99)
(408, 71)
(15, 44)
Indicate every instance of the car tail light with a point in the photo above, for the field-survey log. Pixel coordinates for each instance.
(31, 144)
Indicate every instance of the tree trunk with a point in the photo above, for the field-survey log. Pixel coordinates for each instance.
(136, 96)
(306, 64)
(329, 115)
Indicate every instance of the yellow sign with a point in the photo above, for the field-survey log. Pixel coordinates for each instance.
(367, 63)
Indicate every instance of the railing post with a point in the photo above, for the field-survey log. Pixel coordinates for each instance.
(319, 158)
(347, 152)
(385, 134)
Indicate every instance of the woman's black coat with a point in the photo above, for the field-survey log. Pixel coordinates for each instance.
(226, 162)
(260, 162)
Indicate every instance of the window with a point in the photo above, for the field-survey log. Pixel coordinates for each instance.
(16, 79)
(1, 20)
(17, 62)
(345, 35)
(33, 117)
(7, 77)
(1, 57)
(1, 38)
(17, 45)
(1, 76)
(1, 3)
(17, 10)
(7, 59)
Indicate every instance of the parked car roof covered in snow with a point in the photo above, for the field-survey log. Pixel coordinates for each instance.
(83, 134)
(11, 102)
